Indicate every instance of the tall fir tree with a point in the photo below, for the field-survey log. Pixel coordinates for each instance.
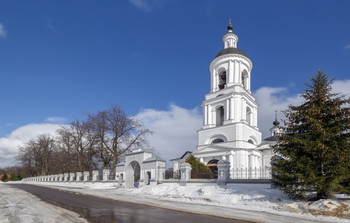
(315, 144)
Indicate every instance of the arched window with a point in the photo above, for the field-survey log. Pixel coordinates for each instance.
(148, 178)
(220, 113)
(217, 141)
(249, 115)
(245, 79)
(251, 141)
(222, 80)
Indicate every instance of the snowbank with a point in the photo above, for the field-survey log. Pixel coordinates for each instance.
(17, 206)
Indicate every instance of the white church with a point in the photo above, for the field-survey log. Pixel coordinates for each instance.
(230, 130)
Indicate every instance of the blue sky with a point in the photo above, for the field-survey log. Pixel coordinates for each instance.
(61, 59)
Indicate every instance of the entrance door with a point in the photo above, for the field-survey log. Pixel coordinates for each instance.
(213, 166)
(148, 178)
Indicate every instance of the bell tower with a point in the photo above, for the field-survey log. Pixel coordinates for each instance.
(230, 110)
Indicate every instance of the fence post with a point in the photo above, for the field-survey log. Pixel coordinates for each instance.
(66, 176)
(223, 172)
(78, 176)
(95, 175)
(185, 169)
(106, 173)
(86, 176)
(71, 176)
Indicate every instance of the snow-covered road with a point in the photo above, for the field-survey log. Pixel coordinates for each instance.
(257, 202)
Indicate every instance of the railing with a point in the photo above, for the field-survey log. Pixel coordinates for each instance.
(236, 173)
(251, 173)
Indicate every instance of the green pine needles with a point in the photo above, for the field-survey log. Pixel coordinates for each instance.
(315, 145)
(199, 170)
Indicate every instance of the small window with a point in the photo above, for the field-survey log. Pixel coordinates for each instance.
(222, 80)
(249, 116)
(217, 141)
(245, 79)
(251, 141)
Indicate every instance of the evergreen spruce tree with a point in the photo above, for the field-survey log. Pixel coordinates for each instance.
(4, 177)
(199, 169)
(315, 145)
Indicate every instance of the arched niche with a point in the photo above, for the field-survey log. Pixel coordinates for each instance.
(244, 80)
(220, 115)
(252, 140)
(222, 77)
(249, 115)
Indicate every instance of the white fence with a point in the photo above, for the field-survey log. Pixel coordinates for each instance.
(251, 173)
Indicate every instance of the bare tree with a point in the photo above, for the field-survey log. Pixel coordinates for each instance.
(115, 134)
(37, 153)
(84, 145)
(66, 155)
(83, 140)
(44, 147)
(27, 160)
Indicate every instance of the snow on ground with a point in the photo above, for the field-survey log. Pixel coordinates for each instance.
(257, 202)
(17, 206)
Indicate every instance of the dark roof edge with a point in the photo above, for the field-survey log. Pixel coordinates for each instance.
(230, 51)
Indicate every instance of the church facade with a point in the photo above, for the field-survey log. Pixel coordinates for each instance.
(230, 130)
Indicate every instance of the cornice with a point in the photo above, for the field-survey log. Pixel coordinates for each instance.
(250, 63)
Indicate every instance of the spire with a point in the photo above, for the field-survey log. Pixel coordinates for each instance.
(276, 123)
(230, 27)
(230, 39)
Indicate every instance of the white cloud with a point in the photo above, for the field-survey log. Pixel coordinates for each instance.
(9, 145)
(271, 100)
(277, 99)
(342, 87)
(347, 47)
(49, 23)
(208, 9)
(147, 5)
(55, 120)
(3, 32)
(174, 130)
(141, 4)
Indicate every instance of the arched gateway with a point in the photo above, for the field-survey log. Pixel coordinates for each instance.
(133, 174)
(141, 168)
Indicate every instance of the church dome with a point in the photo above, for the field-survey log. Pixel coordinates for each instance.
(230, 51)
(276, 123)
